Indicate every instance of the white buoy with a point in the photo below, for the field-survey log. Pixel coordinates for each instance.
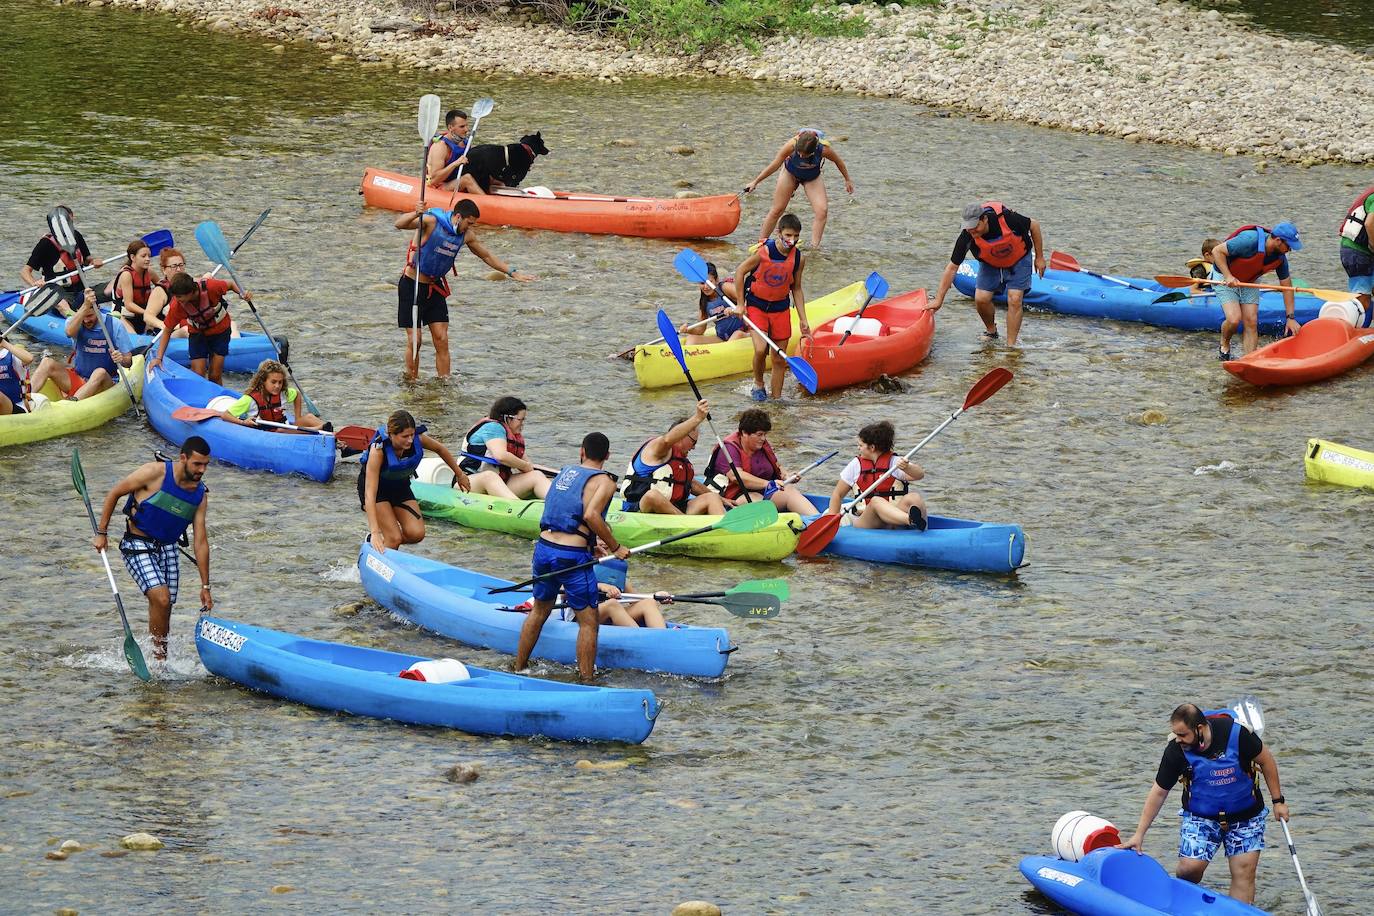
(1349, 311)
(1078, 833)
(859, 327)
(437, 671)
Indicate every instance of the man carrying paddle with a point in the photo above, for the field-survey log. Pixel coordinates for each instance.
(200, 305)
(443, 235)
(1248, 254)
(1216, 757)
(61, 251)
(164, 498)
(771, 278)
(95, 361)
(660, 478)
(450, 149)
(1005, 243)
(574, 518)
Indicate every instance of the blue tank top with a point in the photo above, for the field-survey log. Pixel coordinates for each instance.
(563, 507)
(166, 514)
(442, 246)
(727, 326)
(612, 571)
(92, 351)
(1221, 785)
(396, 466)
(11, 377)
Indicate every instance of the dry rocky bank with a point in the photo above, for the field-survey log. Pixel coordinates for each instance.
(1151, 70)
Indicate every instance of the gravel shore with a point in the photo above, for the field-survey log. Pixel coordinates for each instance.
(1149, 70)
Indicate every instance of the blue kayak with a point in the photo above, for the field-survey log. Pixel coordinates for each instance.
(170, 387)
(245, 353)
(1072, 293)
(367, 682)
(454, 602)
(1121, 882)
(949, 543)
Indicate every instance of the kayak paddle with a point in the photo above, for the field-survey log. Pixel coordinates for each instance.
(197, 414)
(818, 535)
(1313, 908)
(693, 267)
(665, 325)
(797, 475)
(132, 653)
(480, 109)
(1060, 260)
(427, 124)
(107, 327)
(739, 520)
(750, 605)
(1326, 295)
(877, 287)
(629, 352)
(262, 218)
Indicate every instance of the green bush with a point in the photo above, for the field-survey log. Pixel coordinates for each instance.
(703, 26)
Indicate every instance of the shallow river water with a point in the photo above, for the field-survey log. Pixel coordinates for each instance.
(896, 740)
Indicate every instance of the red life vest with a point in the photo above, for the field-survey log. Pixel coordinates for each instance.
(1251, 268)
(141, 290)
(673, 479)
(1352, 227)
(764, 464)
(771, 281)
(269, 408)
(1003, 251)
(870, 471)
(205, 314)
(515, 445)
(69, 262)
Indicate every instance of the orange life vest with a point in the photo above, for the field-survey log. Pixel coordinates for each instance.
(270, 407)
(771, 281)
(1250, 268)
(1003, 251)
(871, 471)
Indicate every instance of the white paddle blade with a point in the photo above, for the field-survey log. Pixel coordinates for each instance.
(429, 117)
(1250, 713)
(60, 223)
(539, 191)
(482, 107)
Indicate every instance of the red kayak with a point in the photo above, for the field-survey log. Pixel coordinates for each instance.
(892, 336)
(1322, 348)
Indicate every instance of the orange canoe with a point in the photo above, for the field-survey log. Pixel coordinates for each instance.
(646, 217)
(1322, 348)
(892, 336)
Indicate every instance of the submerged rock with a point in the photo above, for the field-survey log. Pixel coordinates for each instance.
(462, 773)
(145, 842)
(696, 908)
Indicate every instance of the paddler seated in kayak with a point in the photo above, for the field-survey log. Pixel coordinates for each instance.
(1204, 267)
(200, 305)
(388, 464)
(1007, 246)
(894, 504)
(717, 303)
(660, 478)
(266, 398)
(92, 366)
(771, 278)
(500, 436)
(574, 519)
(1248, 254)
(132, 287)
(449, 150)
(758, 466)
(171, 262)
(52, 258)
(800, 160)
(14, 385)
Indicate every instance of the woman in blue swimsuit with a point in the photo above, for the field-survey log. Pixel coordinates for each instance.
(798, 164)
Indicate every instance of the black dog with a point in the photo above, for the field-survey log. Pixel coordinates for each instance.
(504, 165)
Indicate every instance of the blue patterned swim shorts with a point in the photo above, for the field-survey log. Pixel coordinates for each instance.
(1199, 837)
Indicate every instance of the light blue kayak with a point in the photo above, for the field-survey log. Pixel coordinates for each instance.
(1072, 293)
(1122, 882)
(170, 387)
(455, 602)
(367, 682)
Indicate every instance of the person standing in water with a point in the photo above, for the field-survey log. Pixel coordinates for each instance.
(800, 160)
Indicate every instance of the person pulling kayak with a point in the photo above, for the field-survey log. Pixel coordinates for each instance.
(1007, 245)
(1357, 251)
(894, 504)
(162, 499)
(449, 150)
(133, 286)
(718, 303)
(442, 237)
(574, 519)
(93, 365)
(771, 278)
(1246, 255)
(500, 436)
(1218, 760)
(660, 479)
(53, 258)
(388, 464)
(14, 381)
(758, 465)
(200, 305)
(267, 397)
(800, 160)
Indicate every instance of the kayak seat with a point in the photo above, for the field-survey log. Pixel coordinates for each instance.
(1137, 877)
(1318, 336)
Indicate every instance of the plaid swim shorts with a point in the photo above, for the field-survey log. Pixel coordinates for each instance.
(1200, 837)
(151, 564)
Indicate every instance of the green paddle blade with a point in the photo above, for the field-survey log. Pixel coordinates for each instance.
(134, 656)
(778, 588)
(78, 474)
(751, 605)
(748, 517)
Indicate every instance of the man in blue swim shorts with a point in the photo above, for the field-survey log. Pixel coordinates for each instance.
(1008, 246)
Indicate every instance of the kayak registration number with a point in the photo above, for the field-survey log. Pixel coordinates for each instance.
(1055, 874)
(380, 568)
(221, 636)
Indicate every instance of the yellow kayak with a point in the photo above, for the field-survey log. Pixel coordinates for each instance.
(1340, 464)
(61, 418)
(656, 367)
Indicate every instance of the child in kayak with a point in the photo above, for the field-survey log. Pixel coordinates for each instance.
(798, 164)
(771, 279)
(267, 398)
(718, 303)
(894, 504)
(1204, 267)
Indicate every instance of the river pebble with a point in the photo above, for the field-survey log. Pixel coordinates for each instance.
(142, 841)
(696, 908)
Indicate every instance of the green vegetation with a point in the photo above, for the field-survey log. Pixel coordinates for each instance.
(709, 26)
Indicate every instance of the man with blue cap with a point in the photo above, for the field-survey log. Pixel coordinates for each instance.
(1248, 254)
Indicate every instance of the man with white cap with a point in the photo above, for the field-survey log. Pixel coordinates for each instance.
(1248, 254)
(1005, 244)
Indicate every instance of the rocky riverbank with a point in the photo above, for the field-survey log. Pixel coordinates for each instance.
(1150, 70)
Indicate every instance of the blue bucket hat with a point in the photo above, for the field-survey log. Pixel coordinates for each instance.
(1288, 234)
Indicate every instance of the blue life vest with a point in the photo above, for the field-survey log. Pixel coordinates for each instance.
(11, 377)
(397, 467)
(1220, 786)
(166, 514)
(727, 325)
(563, 506)
(455, 149)
(808, 169)
(612, 571)
(92, 350)
(442, 246)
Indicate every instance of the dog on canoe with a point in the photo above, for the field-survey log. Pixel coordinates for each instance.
(495, 165)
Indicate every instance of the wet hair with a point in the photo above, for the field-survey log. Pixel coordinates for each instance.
(182, 285)
(806, 144)
(195, 445)
(135, 247)
(167, 254)
(453, 115)
(466, 208)
(508, 406)
(399, 422)
(1208, 245)
(596, 446)
(1190, 715)
(880, 435)
(755, 420)
(789, 221)
(265, 368)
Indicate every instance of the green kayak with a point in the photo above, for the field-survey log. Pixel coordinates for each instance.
(521, 517)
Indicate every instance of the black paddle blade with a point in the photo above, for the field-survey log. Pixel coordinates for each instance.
(751, 605)
(1175, 296)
